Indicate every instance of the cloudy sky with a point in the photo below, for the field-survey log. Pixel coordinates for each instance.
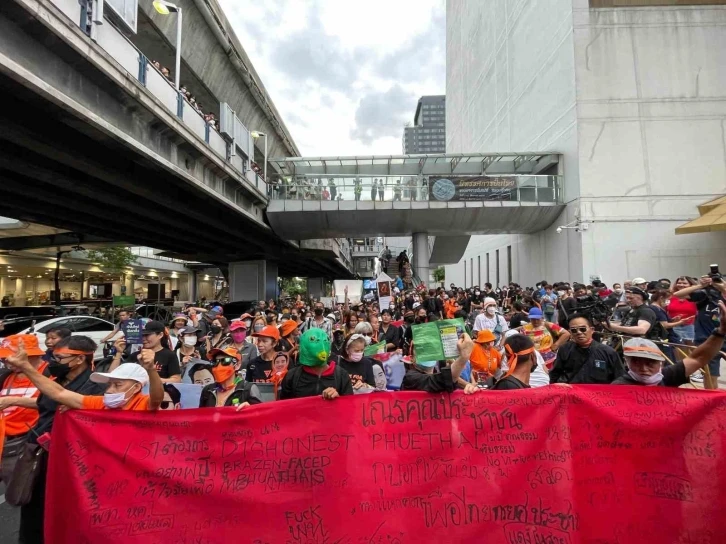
(344, 74)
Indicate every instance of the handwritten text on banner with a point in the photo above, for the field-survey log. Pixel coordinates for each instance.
(551, 466)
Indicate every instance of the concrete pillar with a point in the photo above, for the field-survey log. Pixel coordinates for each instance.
(253, 280)
(421, 256)
(19, 299)
(34, 300)
(192, 286)
(3, 286)
(85, 289)
(129, 283)
(316, 288)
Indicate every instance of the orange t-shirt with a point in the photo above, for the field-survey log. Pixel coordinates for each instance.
(485, 360)
(20, 420)
(95, 402)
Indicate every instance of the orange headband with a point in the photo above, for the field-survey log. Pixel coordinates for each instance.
(512, 361)
(68, 351)
(642, 349)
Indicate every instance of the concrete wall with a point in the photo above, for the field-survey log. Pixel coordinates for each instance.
(511, 87)
(633, 98)
(651, 111)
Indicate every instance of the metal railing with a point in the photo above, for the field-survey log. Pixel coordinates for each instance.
(544, 189)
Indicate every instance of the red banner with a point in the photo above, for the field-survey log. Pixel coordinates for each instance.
(552, 465)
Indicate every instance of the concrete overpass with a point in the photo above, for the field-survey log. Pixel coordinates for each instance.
(95, 142)
(447, 196)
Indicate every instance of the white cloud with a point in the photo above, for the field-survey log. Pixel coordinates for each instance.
(344, 75)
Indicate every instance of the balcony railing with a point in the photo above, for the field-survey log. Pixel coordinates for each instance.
(538, 189)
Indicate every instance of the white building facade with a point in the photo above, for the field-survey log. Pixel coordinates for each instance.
(635, 100)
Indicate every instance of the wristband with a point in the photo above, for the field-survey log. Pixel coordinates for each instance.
(718, 334)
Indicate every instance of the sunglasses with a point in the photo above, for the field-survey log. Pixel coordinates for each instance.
(575, 330)
(165, 404)
(61, 359)
(224, 361)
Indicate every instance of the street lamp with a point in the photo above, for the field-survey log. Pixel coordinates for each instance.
(165, 8)
(255, 134)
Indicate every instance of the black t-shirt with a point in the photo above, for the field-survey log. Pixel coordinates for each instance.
(661, 332)
(641, 313)
(417, 380)
(166, 362)
(362, 371)
(510, 382)
(673, 376)
(707, 316)
(392, 335)
(595, 364)
(259, 370)
(517, 320)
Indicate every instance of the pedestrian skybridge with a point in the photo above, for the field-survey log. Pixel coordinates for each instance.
(440, 195)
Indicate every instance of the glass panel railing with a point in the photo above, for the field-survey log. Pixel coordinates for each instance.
(217, 143)
(544, 189)
(119, 48)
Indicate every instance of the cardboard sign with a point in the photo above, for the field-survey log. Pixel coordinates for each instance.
(586, 464)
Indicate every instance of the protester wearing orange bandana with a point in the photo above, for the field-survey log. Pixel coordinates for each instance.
(521, 361)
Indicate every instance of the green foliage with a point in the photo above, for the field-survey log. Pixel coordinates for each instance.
(440, 274)
(112, 259)
(293, 286)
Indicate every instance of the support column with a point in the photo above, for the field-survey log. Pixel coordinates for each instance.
(315, 288)
(253, 280)
(129, 283)
(192, 286)
(3, 286)
(421, 256)
(19, 299)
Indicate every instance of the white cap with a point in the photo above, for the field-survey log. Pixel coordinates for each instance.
(488, 301)
(416, 305)
(638, 281)
(126, 371)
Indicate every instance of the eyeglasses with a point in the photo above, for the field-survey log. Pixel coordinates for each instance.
(224, 361)
(575, 330)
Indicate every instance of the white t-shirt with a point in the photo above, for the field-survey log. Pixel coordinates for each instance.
(484, 322)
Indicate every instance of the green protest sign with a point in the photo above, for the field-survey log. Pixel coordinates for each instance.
(375, 349)
(437, 341)
(124, 300)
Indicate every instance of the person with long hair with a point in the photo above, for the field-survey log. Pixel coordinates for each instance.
(155, 338)
(218, 337)
(682, 310)
(351, 320)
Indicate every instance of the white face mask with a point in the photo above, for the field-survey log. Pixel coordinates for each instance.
(491, 310)
(477, 293)
(190, 340)
(655, 379)
(115, 400)
(355, 357)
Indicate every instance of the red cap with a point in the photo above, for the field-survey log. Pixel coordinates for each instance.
(235, 325)
(270, 331)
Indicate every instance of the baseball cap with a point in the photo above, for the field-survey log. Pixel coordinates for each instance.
(637, 291)
(638, 281)
(416, 305)
(535, 313)
(154, 327)
(212, 314)
(236, 325)
(187, 330)
(288, 327)
(269, 331)
(485, 336)
(125, 371)
(640, 347)
(9, 346)
(231, 351)
(314, 348)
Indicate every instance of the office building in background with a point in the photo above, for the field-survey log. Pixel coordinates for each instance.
(428, 135)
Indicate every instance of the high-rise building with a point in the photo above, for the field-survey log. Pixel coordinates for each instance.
(631, 94)
(428, 135)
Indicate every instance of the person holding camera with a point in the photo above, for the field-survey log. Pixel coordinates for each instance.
(639, 320)
(707, 295)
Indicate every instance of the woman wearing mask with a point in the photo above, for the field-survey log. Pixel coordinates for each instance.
(409, 318)
(218, 334)
(228, 388)
(683, 310)
(187, 349)
(489, 320)
(351, 321)
(247, 350)
(258, 323)
(356, 364)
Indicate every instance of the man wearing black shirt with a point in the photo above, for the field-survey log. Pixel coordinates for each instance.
(640, 319)
(567, 303)
(388, 332)
(518, 318)
(420, 376)
(645, 361)
(157, 341)
(522, 361)
(584, 360)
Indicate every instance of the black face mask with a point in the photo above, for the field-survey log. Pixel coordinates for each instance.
(410, 320)
(318, 311)
(58, 370)
(216, 329)
(420, 320)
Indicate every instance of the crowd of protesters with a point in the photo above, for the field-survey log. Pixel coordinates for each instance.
(641, 333)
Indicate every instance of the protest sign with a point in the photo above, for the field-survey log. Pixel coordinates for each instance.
(132, 329)
(383, 287)
(374, 349)
(549, 465)
(437, 341)
(355, 290)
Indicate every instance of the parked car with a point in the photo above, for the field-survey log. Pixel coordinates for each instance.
(86, 325)
(15, 324)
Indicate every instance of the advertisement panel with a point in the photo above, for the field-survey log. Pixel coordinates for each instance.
(462, 189)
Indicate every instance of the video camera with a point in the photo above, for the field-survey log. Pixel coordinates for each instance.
(594, 308)
(715, 275)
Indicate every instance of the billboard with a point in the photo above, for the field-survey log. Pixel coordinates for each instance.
(126, 11)
(460, 188)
